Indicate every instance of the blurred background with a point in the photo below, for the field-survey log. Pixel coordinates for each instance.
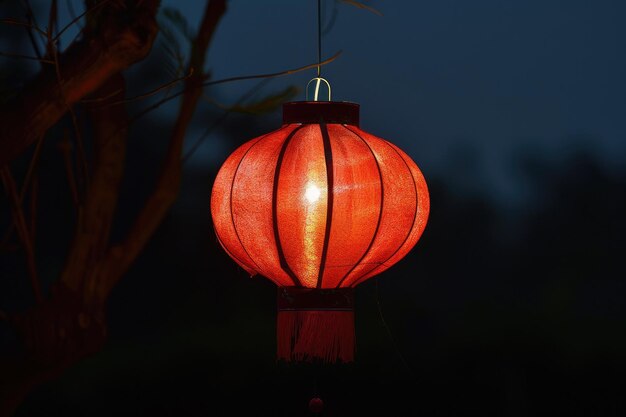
(511, 304)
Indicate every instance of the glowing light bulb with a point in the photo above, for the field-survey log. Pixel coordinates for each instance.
(312, 193)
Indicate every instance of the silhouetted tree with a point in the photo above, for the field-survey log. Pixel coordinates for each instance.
(69, 323)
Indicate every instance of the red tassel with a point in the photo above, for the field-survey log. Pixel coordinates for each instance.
(305, 333)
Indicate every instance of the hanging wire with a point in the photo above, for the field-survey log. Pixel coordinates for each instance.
(394, 342)
(318, 80)
(319, 38)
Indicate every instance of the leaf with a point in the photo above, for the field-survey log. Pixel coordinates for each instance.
(179, 21)
(362, 6)
(266, 104)
(176, 59)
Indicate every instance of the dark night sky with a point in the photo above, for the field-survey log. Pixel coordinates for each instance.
(436, 77)
(512, 302)
(443, 78)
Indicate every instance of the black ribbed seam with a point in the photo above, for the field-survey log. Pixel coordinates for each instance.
(380, 211)
(412, 223)
(232, 186)
(281, 254)
(328, 159)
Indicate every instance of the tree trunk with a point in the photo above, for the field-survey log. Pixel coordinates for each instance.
(69, 325)
(55, 335)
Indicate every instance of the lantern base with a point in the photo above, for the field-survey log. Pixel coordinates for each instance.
(315, 324)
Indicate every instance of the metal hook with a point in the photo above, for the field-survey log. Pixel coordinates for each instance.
(318, 81)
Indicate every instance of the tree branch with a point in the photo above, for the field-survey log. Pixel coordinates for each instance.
(55, 334)
(65, 146)
(166, 189)
(22, 230)
(28, 179)
(141, 96)
(223, 117)
(118, 42)
(230, 80)
(75, 20)
(28, 25)
(31, 34)
(30, 58)
(94, 224)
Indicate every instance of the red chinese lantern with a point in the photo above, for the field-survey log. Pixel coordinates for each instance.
(318, 206)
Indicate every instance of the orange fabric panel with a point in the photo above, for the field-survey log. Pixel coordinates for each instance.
(421, 218)
(408, 208)
(274, 214)
(357, 204)
(301, 203)
(220, 209)
(398, 210)
(252, 189)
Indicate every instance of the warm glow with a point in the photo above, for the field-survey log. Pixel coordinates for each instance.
(314, 220)
(274, 211)
(312, 193)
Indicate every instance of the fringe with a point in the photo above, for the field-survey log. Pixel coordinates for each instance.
(309, 335)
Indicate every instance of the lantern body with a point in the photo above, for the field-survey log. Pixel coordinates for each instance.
(318, 206)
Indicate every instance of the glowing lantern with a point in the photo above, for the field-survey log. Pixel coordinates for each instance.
(318, 206)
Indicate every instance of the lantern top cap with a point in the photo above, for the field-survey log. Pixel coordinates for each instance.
(313, 112)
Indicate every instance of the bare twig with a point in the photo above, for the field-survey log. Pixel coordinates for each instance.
(96, 6)
(65, 146)
(72, 13)
(25, 185)
(52, 23)
(389, 333)
(101, 99)
(81, 170)
(14, 22)
(233, 79)
(34, 193)
(221, 119)
(140, 96)
(30, 58)
(32, 21)
(165, 86)
(22, 230)
(31, 168)
(166, 189)
(362, 6)
(273, 74)
(85, 65)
